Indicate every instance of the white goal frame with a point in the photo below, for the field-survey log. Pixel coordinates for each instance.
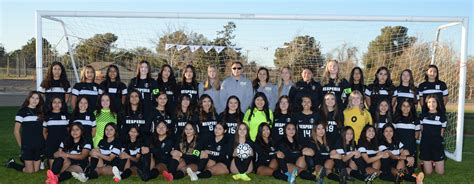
(463, 21)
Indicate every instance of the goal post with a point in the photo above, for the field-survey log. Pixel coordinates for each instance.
(67, 24)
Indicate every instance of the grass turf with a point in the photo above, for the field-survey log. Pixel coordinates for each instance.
(456, 172)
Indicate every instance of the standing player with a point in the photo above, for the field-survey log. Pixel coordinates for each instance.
(146, 85)
(282, 116)
(167, 83)
(114, 86)
(262, 84)
(333, 83)
(189, 85)
(306, 86)
(381, 89)
(285, 84)
(87, 88)
(212, 87)
(433, 86)
(55, 84)
(232, 115)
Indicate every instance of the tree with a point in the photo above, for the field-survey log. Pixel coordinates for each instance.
(96, 48)
(3, 53)
(301, 51)
(387, 46)
(346, 55)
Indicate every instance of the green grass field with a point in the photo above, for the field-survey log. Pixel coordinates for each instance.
(456, 172)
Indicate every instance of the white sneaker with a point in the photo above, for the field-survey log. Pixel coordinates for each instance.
(117, 173)
(79, 176)
(192, 174)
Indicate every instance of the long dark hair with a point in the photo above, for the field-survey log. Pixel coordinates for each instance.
(212, 110)
(111, 106)
(48, 80)
(184, 142)
(128, 106)
(314, 136)
(179, 113)
(148, 75)
(388, 83)
(259, 139)
(373, 143)
(236, 136)
(107, 80)
(277, 106)
(399, 113)
(183, 78)
(286, 142)
(388, 113)
(39, 107)
(438, 102)
(395, 139)
(76, 110)
(113, 125)
(238, 112)
(324, 111)
(256, 81)
(343, 138)
(128, 140)
(266, 110)
(69, 141)
(171, 78)
(351, 78)
(411, 83)
(437, 72)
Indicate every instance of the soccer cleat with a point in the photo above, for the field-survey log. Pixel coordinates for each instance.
(236, 177)
(52, 178)
(292, 176)
(370, 178)
(191, 174)
(168, 176)
(342, 176)
(420, 177)
(7, 164)
(116, 173)
(79, 176)
(245, 177)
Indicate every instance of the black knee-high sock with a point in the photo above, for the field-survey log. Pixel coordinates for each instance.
(339, 164)
(205, 174)
(172, 166)
(65, 176)
(307, 175)
(178, 175)
(91, 173)
(309, 163)
(126, 173)
(278, 175)
(282, 165)
(93, 163)
(154, 173)
(242, 164)
(122, 163)
(16, 166)
(386, 168)
(360, 164)
(357, 175)
(57, 165)
(144, 163)
(333, 176)
(387, 176)
(202, 164)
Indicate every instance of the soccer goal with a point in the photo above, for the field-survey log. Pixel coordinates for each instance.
(78, 38)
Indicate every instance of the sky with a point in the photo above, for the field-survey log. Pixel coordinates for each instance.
(17, 21)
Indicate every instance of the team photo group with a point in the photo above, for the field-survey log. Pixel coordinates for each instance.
(340, 128)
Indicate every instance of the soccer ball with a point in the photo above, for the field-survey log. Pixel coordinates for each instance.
(244, 151)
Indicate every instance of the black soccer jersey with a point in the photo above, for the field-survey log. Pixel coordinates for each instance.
(383, 119)
(219, 151)
(377, 93)
(57, 124)
(371, 149)
(181, 120)
(107, 148)
(206, 127)
(304, 125)
(277, 130)
(394, 147)
(31, 128)
(358, 87)
(190, 150)
(76, 148)
(158, 116)
(340, 90)
(432, 124)
(132, 148)
(55, 91)
(161, 149)
(135, 118)
(404, 92)
(232, 120)
(321, 151)
(190, 90)
(439, 89)
(116, 90)
(264, 153)
(301, 88)
(406, 130)
(87, 120)
(171, 90)
(344, 150)
(292, 150)
(333, 131)
(148, 89)
(88, 90)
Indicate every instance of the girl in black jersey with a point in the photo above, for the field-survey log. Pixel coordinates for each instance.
(86, 88)
(114, 86)
(282, 116)
(85, 117)
(265, 152)
(381, 89)
(185, 154)
(407, 128)
(232, 115)
(332, 117)
(130, 155)
(433, 86)
(344, 155)
(132, 116)
(332, 82)
(368, 147)
(289, 155)
(71, 158)
(28, 133)
(242, 162)
(146, 85)
(55, 84)
(207, 117)
(160, 113)
(106, 155)
(161, 147)
(383, 115)
(356, 80)
(305, 120)
(189, 85)
(405, 90)
(184, 114)
(399, 157)
(215, 154)
(54, 128)
(167, 83)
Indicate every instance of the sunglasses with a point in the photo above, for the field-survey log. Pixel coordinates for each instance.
(235, 68)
